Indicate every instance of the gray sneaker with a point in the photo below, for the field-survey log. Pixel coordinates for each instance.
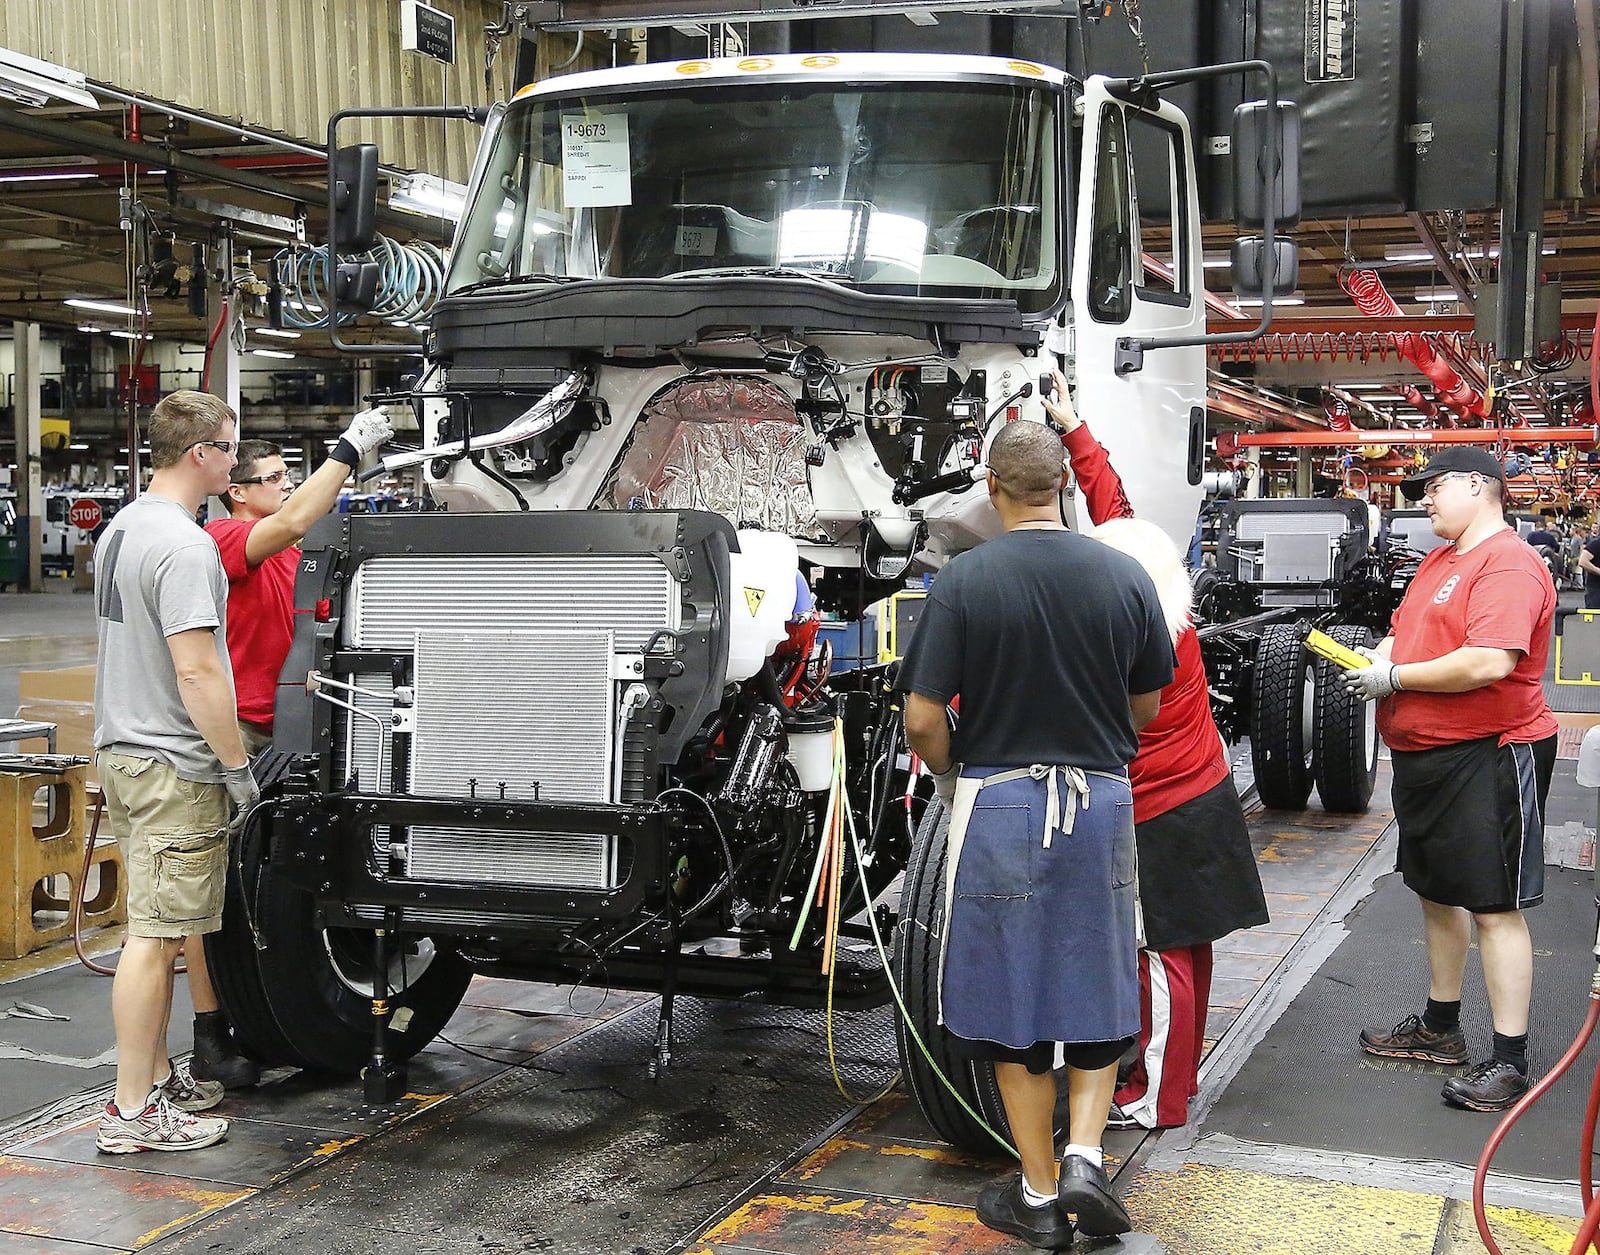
(160, 1126)
(187, 1093)
(1492, 1085)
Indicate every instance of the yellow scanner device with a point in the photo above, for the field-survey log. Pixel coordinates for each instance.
(1341, 655)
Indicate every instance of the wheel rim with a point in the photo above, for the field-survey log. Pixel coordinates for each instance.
(349, 953)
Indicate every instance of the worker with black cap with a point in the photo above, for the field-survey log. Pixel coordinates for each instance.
(1459, 682)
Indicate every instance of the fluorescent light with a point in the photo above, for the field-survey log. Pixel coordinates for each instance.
(92, 330)
(104, 307)
(275, 333)
(271, 353)
(1248, 302)
(430, 196)
(130, 335)
(41, 178)
(1446, 294)
(79, 447)
(1216, 261)
(1413, 252)
(29, 81)
(1362, 387)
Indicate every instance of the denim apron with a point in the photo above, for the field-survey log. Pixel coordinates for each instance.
(1040, 938)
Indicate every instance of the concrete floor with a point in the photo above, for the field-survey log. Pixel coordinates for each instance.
(548, 1138)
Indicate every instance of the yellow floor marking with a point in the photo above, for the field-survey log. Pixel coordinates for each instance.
(1228, 1211)
(1515, 1231)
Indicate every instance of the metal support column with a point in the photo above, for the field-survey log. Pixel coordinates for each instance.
(25, 410)
(1524, 151)
(1302, 474)
(226, 362)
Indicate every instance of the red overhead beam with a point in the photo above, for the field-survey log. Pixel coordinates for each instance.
(1409, 435)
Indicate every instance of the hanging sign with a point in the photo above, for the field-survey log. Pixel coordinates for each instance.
(427, 30)
(1330, 41)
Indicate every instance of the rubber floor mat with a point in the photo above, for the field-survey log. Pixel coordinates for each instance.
(1307, 1084)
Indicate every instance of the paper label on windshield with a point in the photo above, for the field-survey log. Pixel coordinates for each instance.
(595, 166)
(696, 242)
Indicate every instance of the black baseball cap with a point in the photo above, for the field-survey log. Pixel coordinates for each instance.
(1459, 457)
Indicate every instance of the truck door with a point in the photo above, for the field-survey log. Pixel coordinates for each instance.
(1136, 271)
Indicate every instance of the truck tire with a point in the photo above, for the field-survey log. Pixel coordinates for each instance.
(298, 1002)
(915, 967)
(1345, 734)
(1279, 738)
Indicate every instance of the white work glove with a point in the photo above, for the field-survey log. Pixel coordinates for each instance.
(1381, 679)
(243, 792)
(944, 785)
(367, 431)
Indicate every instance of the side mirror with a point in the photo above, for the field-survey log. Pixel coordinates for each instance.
(1254, 165)
(354, 173)
(1255, 269)
(355, 286)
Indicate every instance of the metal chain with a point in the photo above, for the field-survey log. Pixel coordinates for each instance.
(1130, 9)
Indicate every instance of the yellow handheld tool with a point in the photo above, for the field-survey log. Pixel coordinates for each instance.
(1341, 655)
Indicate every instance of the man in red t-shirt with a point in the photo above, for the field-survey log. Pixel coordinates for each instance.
(258, 542)
(1459, 681)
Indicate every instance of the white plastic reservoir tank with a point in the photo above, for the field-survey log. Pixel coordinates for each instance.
(763, 591)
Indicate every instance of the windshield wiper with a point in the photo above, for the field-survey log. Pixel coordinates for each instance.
(506, 281)
(760, 272)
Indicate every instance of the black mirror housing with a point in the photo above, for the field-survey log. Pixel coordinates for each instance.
(1252, 161)
(1253, 267)
(355, 286)
(354, 228)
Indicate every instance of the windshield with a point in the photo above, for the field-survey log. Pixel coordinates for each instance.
(906, 188)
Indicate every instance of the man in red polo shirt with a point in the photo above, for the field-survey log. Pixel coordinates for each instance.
(1459, 685)
(259, 543)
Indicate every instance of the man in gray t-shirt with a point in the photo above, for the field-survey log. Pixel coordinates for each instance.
(170, 758)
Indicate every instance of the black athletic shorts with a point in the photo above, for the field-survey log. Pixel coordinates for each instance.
(1471, 822)
(1040, 1057)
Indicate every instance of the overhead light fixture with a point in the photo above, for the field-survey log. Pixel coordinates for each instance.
(1413, 252)
(1431, 295)
(79, 447)
(271, 353)
(91, 328)
(130, 335)
(277, 333)
(103, 307)
(430, 196)
(41, 178)
(1216, 261)
(1254, 302)
(29, 81)
(1362, 387)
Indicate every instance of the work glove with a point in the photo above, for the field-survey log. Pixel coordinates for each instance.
(1381, 679)
(243, 792)
(944, 785)
(367, 431)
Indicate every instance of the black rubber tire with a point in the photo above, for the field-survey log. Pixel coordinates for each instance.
(1277, 719)
(1344, 754)
(286, 1003)
(915, 967)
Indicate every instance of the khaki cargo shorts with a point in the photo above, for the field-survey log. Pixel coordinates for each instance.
(174, 838)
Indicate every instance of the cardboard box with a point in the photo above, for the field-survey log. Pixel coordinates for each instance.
(64, 684)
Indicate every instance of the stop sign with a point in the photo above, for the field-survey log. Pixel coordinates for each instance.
(85, 514)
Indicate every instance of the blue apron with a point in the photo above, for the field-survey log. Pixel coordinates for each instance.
(1040, 936)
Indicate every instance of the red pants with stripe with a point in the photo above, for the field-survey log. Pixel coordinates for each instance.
(1174, 993)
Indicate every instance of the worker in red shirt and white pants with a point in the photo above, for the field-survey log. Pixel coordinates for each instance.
(1197, 873)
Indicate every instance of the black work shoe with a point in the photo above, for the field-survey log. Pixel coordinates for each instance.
(1412, 1039)
(1492, 1085)
(1002, 1208)
(1084, 1190)
(216, 1057)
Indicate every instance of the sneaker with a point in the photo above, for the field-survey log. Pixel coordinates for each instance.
(1492, 1085)
(160, 1126)
(1001, 1207)
(187, 1093)
(1084, 1190)
(1412, 1039)
(1120, 1119)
